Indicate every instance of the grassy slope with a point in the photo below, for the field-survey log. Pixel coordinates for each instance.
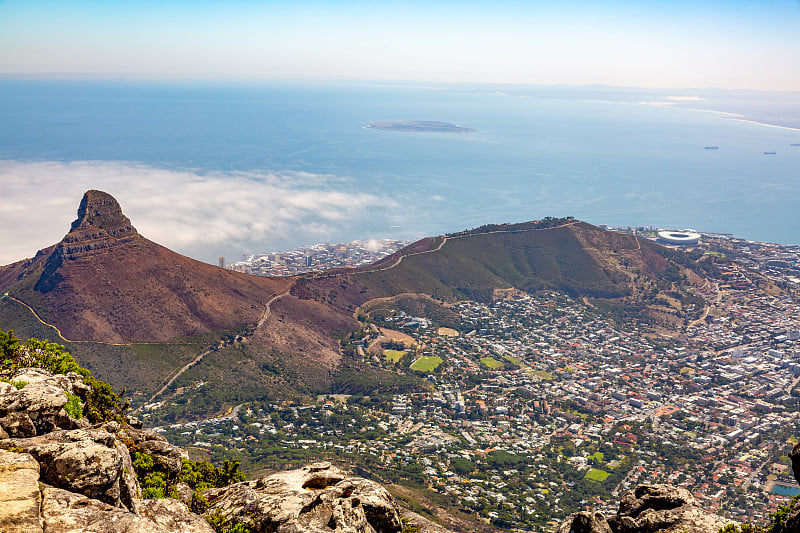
(473, 266)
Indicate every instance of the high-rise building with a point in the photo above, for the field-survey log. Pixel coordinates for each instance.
(222, 261)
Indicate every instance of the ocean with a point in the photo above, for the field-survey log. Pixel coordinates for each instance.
(604, 157)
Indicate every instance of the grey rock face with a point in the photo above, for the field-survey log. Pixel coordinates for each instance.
(71, 382)
(89, 462)
(67, 512)
(37, 408)
(31, 410)
(661, 508)
(794, 455)
(317, 498)
(19, 493)
(585, 522)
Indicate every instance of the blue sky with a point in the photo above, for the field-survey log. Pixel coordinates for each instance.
(677, 44)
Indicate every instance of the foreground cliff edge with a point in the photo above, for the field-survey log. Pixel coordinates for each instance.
(71, 461)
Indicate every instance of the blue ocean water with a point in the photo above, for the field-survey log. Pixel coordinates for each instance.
(549, 155)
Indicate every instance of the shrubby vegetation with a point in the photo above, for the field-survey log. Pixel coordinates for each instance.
(101, 402)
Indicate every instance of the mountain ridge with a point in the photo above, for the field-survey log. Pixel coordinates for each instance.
(106, 283)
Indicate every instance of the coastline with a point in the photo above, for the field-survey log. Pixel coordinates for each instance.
(726, 114)
(765, 124)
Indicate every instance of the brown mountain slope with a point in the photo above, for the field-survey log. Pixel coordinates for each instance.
(105, 282)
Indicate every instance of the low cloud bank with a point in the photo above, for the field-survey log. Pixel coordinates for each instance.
(193, 212)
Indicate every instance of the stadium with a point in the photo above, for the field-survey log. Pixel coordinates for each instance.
(680, 238)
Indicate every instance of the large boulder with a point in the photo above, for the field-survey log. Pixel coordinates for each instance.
(317, 498)
(663, 508)
(585, 522)
(19, 493)
(68, 512)
(34, 409)
(649, 508)
(38, 407)
(90, 462)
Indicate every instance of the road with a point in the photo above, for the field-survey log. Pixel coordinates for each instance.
(222, 344)
(445, 238)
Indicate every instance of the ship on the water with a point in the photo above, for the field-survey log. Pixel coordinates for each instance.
(711, 147)
(770, 153)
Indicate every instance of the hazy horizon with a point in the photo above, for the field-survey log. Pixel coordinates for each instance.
(682, 44)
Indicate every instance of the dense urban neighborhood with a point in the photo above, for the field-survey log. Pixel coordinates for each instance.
(536, 406)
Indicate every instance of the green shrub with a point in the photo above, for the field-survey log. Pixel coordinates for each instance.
(408, 527)
(201, 475)
(101, 404)
(779, 516)
(743, 528)
(220, 524)
(74, 407)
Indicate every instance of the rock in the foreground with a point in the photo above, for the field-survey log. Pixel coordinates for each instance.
(649, 508)
(68, 512)
(317, 498)
(19, 493)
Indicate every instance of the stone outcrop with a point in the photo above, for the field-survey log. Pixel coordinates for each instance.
(585, 522)
(166, 456)
(19, 493)
(34, 409)
(38, 407)
(68, 512)
(100, 224)
(649, 508)
(86, 461)
(61, 475)
(316, 498)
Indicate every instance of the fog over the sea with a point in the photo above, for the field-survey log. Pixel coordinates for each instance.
(193, 212)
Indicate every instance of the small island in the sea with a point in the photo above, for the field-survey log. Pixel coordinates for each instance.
(427, 126)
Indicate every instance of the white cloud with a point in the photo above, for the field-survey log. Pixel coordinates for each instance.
(194, 212)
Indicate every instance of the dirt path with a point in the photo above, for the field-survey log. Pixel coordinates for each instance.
(222, 344)
(63, 338)
(445, 238)
(265, 314)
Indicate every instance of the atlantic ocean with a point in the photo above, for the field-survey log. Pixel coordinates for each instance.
(606, 158)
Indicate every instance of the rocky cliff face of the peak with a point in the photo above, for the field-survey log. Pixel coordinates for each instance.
(100, 226)
(102, 211)
(59, 474)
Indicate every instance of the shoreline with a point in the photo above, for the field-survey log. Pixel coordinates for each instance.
(728, 114)
(765, 124)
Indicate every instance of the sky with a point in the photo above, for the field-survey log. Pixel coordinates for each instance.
(676, 44)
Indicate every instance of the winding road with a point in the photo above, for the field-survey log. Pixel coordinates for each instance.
(222, 344)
